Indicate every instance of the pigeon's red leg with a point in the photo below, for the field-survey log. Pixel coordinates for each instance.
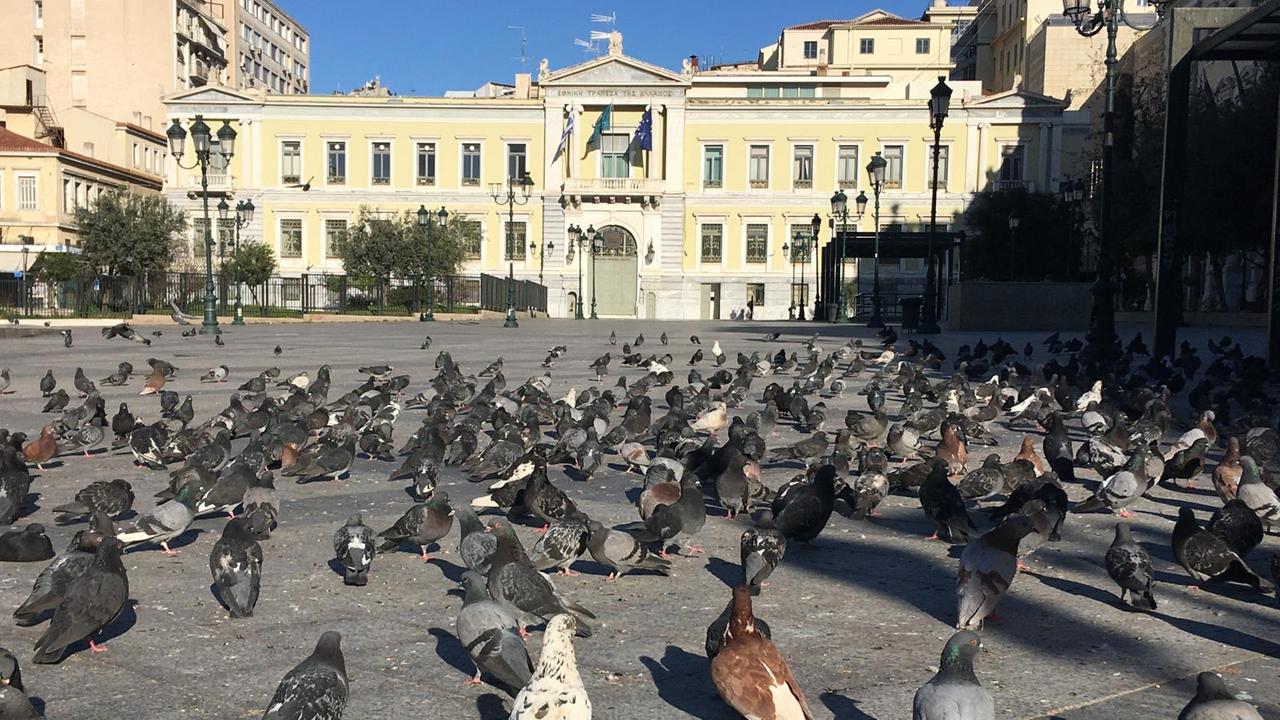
(543, 530)
(694, 550)
(1125, 513)
(167, 551)
(95, 647)
(569, 573)
(934, 536)
(473, 680)
(524, 632)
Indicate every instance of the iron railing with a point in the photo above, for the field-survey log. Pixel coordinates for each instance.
(153, 293)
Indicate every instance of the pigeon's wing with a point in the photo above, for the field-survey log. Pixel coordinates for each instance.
(985, 575)
(52, 583)
(1130, 569)
(529, 590)
(91, 602)
(501, 653)
(1207, 555)
(952, 700)
(318, 693)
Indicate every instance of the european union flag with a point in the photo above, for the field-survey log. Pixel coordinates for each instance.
(644, 131)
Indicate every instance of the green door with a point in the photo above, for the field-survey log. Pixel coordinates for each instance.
(617, 272)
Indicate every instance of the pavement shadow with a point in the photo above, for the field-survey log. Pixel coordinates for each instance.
(489, 706)
(684, 682)
(450, 650)
(123, 622)
(726, 572)
(843, 707)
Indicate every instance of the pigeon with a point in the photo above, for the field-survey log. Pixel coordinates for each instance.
(954, 692)
(621, 553)
(1117, 492)
(1129, 566)
(987, 568)
(676, 522)
(555, 689)
(14, 704)
(944, 506)
(111, 497)
(316, 689)
(164, 523)
(801, 511)
(1238, 526)
(733, 483)
(517, 585)
(83, 384)
(216, 375)
(353, 544)
(91, 602)
(491, 636)
(42, 449)
(236, 564)
(29, 544)
(1257, 495)
(564, 541)
(475, 546)
(750, 674)
(57, 402)
(422, 525)
(694, 340)
(1214, 701)
(5, 380)
(1207, 557)
(1226, 476)
(52, 582)
(47, 384)
(761, 548)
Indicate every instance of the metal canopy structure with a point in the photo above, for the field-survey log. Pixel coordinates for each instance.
(894, 244)
(1253, 37)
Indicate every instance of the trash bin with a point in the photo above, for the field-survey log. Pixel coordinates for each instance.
(911, 313)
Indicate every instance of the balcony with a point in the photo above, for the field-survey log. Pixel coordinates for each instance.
(1015, 185)
(646, 191)
(219, 184)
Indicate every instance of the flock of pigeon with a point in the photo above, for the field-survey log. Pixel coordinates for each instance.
(704, 445)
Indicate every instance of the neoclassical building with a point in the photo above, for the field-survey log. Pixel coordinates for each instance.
(696, 178)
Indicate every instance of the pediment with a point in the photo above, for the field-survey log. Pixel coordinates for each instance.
(1015, 100)
(613, 70)
(211, 94)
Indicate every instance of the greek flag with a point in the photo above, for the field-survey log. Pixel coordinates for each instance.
(568, 131)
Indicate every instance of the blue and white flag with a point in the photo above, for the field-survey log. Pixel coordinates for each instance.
(569, 125)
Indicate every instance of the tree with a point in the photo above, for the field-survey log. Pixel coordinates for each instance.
(58, 267)
(128, 233)
(255, 262)
(1037, 249)
(381, 246)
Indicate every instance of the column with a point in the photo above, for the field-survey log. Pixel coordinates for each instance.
(1042, 169)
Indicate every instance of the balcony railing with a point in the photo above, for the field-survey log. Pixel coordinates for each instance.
(1015, 185)
(220, 182)
(636, 186)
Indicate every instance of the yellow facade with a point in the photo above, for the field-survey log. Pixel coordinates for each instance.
(741, 160)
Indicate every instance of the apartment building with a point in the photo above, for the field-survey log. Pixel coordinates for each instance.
(696, 179)
(266, 48)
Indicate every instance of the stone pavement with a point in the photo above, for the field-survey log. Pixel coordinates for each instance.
(861, 616)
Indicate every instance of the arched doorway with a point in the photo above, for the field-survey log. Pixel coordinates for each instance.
(651, 306)
(617, 272)
(572, 305)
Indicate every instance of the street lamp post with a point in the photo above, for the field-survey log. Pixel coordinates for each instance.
(427, 220)
(1014, 222)
(939, 103)
(26, 251)
(244, 216)
(542, 254)
(1072, 197)
(201, 139)
(1102, 318)
(875, 172)
(815, 226)
(525, 184)
(575, 239)
(593, 238)
(840, 213)
(790, 251)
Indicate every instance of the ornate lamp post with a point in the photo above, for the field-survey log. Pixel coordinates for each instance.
(525, 184)
(1073, 198)
(875, 171)
(26, 252)
(201, 139)
(593, 240)
(244, 216)
(542, 254)
(939, 103)
(815, 226)
(790, 251)
(426, 221)
(1102, 318)
(840, 213)
(1014, 222)
(575, 239)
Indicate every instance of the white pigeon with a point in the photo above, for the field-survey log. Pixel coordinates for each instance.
(1094, 395)
(555, 692)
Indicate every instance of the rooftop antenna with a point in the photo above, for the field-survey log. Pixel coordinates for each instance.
(592, 46)
(524, 58)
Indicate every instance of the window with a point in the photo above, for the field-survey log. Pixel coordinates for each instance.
(712, 242)
(226, 234)
(799, 295)
(291, 162)
(37, 13)
(758, 163)
(867, 46)
(847, 166)
(382, 163)
(802, 172)
(944, 156)
(801, 243)
(470, 163)
(1011, 161)
(517, 156)
(426, 165)
(336, 162)
(614, 162)
(137, 155)
(471, 238)
(89, 149)
(37, 52)
(810, 49)
(911, 265)
(198, 236)
(797, 91)
(713, 166)
(27, 198)
(922, 46)
(78, 50)
(290, 238)
(1, 190)
(335, 235)
(755, 294)
(893, 173)
(515, 237)
(68, 197)
(757, 242)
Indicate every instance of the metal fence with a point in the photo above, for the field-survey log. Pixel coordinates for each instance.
(122, 297)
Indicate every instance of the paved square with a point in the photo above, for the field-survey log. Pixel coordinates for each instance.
(861, 616)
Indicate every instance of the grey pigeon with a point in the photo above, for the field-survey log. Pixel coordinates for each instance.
(954, 693)
(165, 522)
(10, 673)
(236, 565)
(1214, 701)
(475, 545)
(563, 542)
(518, 586)
(761, 549)
(14, 705)
(422, 525)
(987, 568)
(1130, 566)
(52, 582)
(621, 553)
(353, 544)
(1257, 495)
(29, 544)
(491, 635)
(92, 601)
(112, 497)
(1207, 557)
(316, 689)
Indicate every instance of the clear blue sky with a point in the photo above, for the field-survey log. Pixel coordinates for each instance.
(428, 46)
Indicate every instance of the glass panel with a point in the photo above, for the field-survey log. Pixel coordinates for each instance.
(759, 165)
(335, 234)
(291, 162)
(757, 243)
(337, 163)
(471, 163)
(515, 241)
(803, 171)
(516, 157)
(893, 173)
(613, 158)
(290, 238)
(426, 163)
(471, 237)
(712, 243)
(381, 163)
(847, 166)
(714, 171)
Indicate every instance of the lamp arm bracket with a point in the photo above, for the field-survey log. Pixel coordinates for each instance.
(1092, 26)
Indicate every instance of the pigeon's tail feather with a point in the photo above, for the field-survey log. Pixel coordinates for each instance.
(1144, 601)
(579, 610)
(73, 508)
(1092, 504)
(1239, 572)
